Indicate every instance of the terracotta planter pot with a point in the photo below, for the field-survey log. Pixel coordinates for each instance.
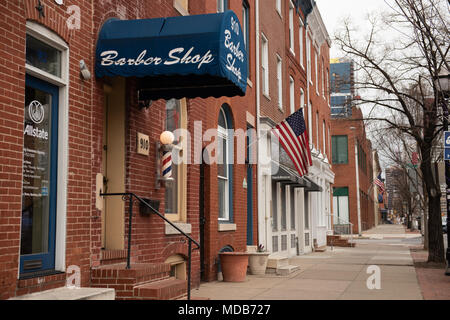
(234, 266)
(257, 262)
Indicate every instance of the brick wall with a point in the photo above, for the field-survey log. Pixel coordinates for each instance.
(13, 18)
(83, 227)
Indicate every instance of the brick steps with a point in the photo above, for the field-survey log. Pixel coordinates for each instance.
(337, 241)
(143, 281)
(168, 289)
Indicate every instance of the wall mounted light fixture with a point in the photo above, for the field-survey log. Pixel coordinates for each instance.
(85, 73)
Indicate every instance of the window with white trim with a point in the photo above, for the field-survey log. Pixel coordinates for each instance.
(278, 6)
(292, 94)
(223, 166)
(316, 62)
(175, 191)
(302, 98)
(291, 28)
(280, 82)
(222, 5)
(300, 40)
(265, 64)
(44, 191)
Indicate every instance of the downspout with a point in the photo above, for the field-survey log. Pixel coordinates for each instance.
(358, 201)
(261, 202)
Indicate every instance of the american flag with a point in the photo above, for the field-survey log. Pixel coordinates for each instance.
(379, 183)
(293, 137)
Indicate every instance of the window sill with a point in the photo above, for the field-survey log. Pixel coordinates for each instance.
(227, 227)
(249, 83)
(180, 8)
(185, 227)
(279, 13)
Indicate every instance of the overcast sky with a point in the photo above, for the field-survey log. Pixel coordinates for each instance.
(333, 11)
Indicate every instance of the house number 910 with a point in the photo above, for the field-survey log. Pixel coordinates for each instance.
(143, 146)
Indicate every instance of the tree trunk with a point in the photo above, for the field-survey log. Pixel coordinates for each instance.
(435, 239)
(434, 232)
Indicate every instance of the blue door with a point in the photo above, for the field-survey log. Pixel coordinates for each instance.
(249, 189)
(39, 190)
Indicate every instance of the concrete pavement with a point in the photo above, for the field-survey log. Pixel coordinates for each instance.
(338, 274)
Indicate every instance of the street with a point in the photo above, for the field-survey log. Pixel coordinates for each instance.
(338, 273)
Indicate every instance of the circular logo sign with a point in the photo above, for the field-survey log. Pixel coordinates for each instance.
(36, 111)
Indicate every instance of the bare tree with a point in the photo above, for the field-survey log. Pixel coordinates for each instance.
(398, 79)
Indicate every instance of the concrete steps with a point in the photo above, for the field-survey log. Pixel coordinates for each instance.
(279, 265)
(69, 293)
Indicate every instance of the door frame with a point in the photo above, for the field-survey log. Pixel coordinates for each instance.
(47, 258)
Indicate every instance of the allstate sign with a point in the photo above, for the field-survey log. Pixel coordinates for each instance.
(211, 45)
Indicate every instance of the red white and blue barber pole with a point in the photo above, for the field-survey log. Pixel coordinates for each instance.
(167, 164)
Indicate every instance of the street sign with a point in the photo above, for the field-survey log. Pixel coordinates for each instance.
(446, 145)
(447, 154)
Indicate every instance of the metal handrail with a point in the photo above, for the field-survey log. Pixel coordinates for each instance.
(130, 196)
(344, 222)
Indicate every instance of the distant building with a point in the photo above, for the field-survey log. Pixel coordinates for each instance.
(342, 76)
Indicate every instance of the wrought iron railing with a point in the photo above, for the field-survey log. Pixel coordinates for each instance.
(128, 196)
(342, 226)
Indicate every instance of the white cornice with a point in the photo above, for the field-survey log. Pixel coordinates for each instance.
(318, 28)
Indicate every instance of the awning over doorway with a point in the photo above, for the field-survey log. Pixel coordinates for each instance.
(187, 56)
(284, 174)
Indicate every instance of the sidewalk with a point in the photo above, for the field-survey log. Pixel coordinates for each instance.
(435, 285)
(338, 274)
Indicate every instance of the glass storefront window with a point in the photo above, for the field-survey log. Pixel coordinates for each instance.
(36, 172)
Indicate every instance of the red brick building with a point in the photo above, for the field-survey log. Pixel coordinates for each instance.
(353, 165)
(94, 146)
(294, 66)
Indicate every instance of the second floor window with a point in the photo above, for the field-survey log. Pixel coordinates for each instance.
(339, 145)
(222, 5)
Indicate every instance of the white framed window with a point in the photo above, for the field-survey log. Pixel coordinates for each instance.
(278, 7)
(182, 6)
(300, 41)
(292, 94)
(308, 58)
(302, 98)
(280, 82)
(291, 28)
(324, 140)
(317, 130)
(316, 67)
(310, 121)
(175, 192)
(222, 5)
(53, 72)
(265, 64)
(323, 79)
(223, 169)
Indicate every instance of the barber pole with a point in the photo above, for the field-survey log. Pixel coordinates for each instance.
(167, 164)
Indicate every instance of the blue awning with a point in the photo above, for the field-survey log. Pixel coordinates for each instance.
(187, 56)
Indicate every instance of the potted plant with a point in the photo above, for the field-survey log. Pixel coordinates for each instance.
(234, 266)
(257, 261)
